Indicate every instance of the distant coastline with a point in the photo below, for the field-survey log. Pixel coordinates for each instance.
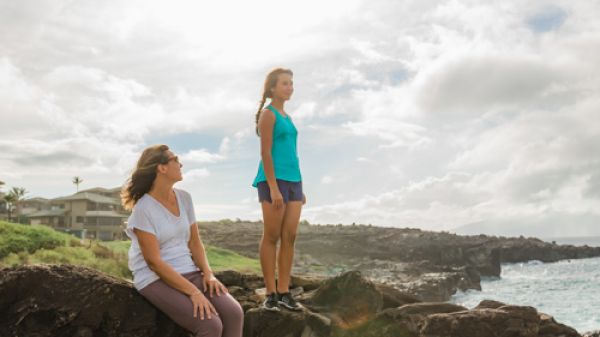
(592, 241)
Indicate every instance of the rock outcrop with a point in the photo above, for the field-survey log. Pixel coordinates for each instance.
(592, 334)
(63, 300)
(67, 300)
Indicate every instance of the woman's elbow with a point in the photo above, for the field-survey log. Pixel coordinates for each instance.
(264, 154)
(154, 264)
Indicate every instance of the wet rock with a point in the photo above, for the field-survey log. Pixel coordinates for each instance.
(592, 334)
(549, 327)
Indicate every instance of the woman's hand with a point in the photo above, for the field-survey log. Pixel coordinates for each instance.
(303, 199)
(276, 198)
(212, 285)
(202, 306)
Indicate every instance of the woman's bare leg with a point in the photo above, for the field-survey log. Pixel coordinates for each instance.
(272, 219)
(285, 257)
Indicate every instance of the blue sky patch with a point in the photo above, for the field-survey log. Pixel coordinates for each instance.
(547, 19)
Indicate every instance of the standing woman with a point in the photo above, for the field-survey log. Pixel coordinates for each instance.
(167, 257)
(279, 185)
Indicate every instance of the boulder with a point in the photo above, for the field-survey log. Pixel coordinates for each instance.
(592, 334)
(505, 321)
(549, 327)
(393, 298)
(413, 316)
(263, 323)
(349, 299)
(63, 300)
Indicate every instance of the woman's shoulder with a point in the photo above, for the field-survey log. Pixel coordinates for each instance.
(268, 113)
(141, 204)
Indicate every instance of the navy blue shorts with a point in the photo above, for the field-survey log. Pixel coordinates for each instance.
(290, 190)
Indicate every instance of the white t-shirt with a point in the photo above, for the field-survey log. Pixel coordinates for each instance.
(172, 233)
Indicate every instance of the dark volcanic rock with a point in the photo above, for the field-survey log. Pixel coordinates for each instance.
(75, 301)
(506, 321)
(349, 299)
(549, 327)
(66, 300)
(432, 266)
(413, 316)
(264, 323)
(489, 304)
(592, 334)
(393, 298)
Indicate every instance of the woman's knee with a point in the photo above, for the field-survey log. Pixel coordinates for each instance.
(271, 236)
(237, 313)
(288, 238)
(208, 327)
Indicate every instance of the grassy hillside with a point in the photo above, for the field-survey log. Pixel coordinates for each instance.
(24, 244)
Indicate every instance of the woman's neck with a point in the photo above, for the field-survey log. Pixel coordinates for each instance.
(277, 104)
(161, 190)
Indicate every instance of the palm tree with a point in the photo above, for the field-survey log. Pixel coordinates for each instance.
(77, 181)
(19, 195)
(9, 198)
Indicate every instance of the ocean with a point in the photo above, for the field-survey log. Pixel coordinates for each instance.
(569, 290)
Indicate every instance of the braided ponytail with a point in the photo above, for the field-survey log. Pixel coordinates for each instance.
(270, 83)
(260, 107)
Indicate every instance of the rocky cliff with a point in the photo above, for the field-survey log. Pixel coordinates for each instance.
(431, 265)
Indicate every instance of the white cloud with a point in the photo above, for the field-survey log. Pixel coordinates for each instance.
(201, 156)
(394, 132)
(326, 180)
(196, 174)
(431, 114)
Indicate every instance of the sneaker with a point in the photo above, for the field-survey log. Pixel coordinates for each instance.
(287, 301)
(271, 302)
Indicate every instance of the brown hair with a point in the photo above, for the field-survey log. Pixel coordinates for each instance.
(143, 176)
(270, 83)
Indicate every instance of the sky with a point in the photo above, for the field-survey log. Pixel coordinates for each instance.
(438, 115)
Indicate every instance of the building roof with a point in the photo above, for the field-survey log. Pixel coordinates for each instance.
(46, 213)
(106, 214)
(91, 197)
(40, 200)
(102, 190)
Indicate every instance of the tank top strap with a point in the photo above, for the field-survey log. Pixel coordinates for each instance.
(275, 111)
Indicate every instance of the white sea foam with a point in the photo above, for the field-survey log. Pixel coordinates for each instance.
(569, 290)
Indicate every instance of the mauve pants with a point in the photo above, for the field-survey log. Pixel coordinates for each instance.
(178, 307)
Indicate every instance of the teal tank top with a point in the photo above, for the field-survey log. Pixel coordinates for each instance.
(283, 151)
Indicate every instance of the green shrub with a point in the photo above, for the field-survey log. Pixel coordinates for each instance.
(24, 244)
(15, 238)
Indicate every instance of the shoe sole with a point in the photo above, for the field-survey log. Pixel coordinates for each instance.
(271, 309)
(283, 304)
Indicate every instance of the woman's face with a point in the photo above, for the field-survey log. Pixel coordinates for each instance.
(284, 87)
(172, 169)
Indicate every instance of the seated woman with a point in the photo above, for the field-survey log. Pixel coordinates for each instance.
(167, 257)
